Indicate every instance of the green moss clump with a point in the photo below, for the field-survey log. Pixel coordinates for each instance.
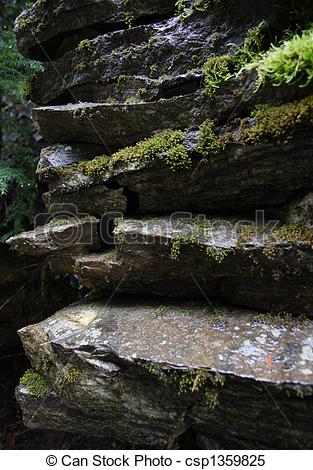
(186, 8)
(208, 142)
(175, 250)
(199, 381)
(290, 62)
(167, 145)
(133, 100)
(193, 234)
(84, 44)
(219, 69)
(161, 311)
(275, 122)
(35, 383)
(70, 375)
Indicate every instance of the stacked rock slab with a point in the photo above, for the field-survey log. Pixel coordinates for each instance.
(196, 326)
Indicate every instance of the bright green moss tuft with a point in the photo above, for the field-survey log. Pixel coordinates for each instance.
(208, 142)
(290, 62)
(167, 145)
(84, 44)
(275, 122)
(35, 383)
(219, 69)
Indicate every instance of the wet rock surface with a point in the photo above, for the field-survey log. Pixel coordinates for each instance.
(42, 29)
(120, 349)
(190, 357)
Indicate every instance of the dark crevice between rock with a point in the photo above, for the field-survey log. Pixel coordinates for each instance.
(49, 50)
(132, 201)
(185, 87)
(73, 94)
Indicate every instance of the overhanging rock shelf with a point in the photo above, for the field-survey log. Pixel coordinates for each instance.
(189, 328)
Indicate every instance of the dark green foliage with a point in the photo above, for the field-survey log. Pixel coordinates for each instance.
(17, 162)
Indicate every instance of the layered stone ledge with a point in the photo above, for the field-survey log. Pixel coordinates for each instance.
(145, 372)
(262, 175)
(59, 239)
(47, 24)
(272, 272)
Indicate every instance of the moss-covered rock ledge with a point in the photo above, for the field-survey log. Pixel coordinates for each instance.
(259, 161)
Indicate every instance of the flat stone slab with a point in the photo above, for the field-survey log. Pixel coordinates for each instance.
(271, 271)
(115, 126)
(63, 235)
(121, 348)
(243, 176)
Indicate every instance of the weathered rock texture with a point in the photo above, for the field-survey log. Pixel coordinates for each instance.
(271, 272)
(131, 362)
(147, 370)
(242, 177)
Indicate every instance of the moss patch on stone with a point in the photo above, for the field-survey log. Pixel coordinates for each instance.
(35, 383)
(69, 375)
(199, 381)
(219, 69)
(272, 123)
(209, 143)
(166, 145)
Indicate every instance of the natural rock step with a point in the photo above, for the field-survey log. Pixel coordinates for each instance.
(115, 126)
(43, 28)
(144, 372)
(62, 237)
(238, 167)
(146, 63)
(188, 259)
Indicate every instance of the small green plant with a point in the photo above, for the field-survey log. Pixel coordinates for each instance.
(197, 381)
(70, 375)
(161, 311)
(219, 69)
(186, 8)
(289, 63)
(84, 44)
(209, 143)
(175, 250)
(35, 383)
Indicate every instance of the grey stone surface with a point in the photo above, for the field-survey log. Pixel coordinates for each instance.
(42, 30)
(206, 261)
(110, 343)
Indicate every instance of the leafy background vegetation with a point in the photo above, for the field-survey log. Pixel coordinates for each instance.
(18, 187)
